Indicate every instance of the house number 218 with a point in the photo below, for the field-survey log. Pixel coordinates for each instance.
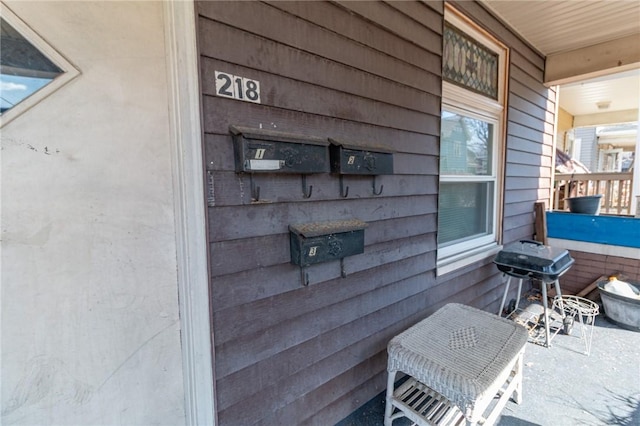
(236, 87)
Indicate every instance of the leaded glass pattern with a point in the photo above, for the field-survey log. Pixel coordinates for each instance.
(468, 63)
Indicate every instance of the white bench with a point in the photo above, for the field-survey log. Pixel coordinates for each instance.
(458, 361)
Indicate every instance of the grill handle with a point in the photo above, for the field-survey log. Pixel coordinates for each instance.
(513, 273)
(538, 243)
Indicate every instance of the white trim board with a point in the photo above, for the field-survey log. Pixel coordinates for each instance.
(188, 185)
(602, 249)
(613, 56)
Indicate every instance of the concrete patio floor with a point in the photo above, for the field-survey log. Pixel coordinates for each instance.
(563, 386)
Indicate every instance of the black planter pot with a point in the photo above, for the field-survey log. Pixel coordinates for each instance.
(589, 204)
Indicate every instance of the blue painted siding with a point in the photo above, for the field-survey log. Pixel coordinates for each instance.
(610, 230)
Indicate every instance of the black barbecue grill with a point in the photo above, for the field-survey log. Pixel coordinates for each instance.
(531, 259)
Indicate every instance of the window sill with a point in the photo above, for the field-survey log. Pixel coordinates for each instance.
(460, 260)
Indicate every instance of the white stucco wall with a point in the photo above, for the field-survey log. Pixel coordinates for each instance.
(89, 322)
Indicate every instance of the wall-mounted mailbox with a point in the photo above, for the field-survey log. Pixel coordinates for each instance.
(318, 242)
(356, 159)
(268, 151)
(350, 159)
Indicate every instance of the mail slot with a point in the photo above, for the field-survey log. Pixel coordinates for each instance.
(351, 159)
(268, 151)
(318, 242)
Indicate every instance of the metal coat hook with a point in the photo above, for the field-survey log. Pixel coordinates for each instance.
(306, 193)
(343, 193)
(255, 190)
(374, 187)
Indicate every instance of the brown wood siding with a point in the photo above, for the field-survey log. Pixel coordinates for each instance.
(588, 267)
(360, 71)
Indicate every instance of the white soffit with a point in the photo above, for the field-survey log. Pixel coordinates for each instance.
(580, 40)
(618, 92)
(556, 26)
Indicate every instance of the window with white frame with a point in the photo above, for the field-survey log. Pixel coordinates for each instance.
(471, 143)
(30, 69)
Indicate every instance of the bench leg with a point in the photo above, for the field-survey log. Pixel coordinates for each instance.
(388, 409)
(517, 394)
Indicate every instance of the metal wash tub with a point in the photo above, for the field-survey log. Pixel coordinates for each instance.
(621, 310)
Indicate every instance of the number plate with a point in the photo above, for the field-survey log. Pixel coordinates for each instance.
(236, 87)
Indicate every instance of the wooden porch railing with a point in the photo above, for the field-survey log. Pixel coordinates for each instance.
(615, 187)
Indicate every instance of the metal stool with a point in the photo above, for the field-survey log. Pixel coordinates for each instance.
(585, 310)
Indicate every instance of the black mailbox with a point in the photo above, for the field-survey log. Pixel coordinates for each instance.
(318, 242)
(352, 159)
(268, 151)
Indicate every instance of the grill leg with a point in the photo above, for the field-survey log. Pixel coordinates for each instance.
(545, 303)
(556, 283)
(506, 292)
(519, 291)
(504, 297)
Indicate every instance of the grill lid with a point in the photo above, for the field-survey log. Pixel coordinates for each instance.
(533, 259)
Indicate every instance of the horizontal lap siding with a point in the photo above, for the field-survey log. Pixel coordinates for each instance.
(285, 353)
(588, 267)
(360, 71)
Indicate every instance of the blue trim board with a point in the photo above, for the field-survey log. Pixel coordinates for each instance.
(610, 230)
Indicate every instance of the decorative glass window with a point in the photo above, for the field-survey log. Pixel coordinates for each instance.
(30, 69)
(471, 144)
(468, 63)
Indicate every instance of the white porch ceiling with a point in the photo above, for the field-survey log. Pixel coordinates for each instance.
(562, 27)
(620, 91)
(556, 26)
